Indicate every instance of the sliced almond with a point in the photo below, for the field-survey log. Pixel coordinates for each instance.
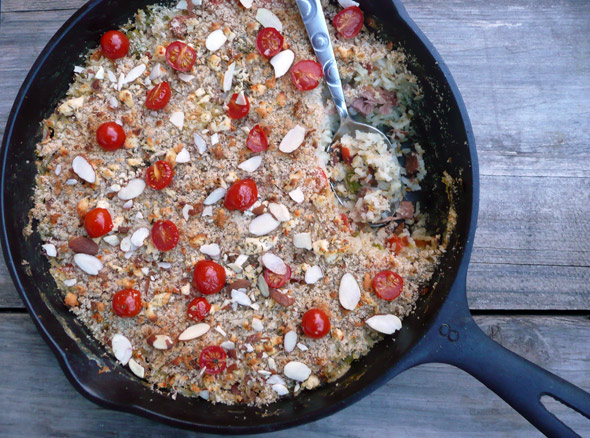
(156, 72)
(136, 368)
(257, 325)
(313, 274)
(229, 76)
(215, 40)
(135, 73)
(251, 164)
(347, 3)
(200, 143)
(89, 264)
(292, 140)
(139, 236)
(263, 224)
(281, 62)
(240, 297)
(177, 119)
(290, 341)
(297, 371)
(215, 196)
(302, 240)
(280, 389)
(349, 292)
(194, 331)
(268, 19)
(387, 324)
(111, 239)
(50, 249)
(122, 348)
(185, 77)
(183, 156)
(274, 263)
(160, 342)
(211, 249)
(132, 190)
(274, 379)
(83, 245)
(100, 73)
(247, 3)
(297, 195)
(279, 211)
(84, 169)
(241, 99)
(186, 210)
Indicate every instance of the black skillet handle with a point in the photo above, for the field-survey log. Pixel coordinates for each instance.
(457, 340)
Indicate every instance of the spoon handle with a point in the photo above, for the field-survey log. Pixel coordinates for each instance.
(315, 24)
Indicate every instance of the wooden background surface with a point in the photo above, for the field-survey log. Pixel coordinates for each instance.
(523, 68)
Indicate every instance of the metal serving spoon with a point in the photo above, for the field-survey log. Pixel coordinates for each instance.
(317, 30)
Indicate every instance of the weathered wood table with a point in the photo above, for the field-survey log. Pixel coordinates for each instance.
(524, 70)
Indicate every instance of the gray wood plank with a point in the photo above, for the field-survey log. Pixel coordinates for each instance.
(522, 68)
(427, 401)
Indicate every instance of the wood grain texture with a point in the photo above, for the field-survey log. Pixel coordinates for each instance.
(523, 70)
(427, 401)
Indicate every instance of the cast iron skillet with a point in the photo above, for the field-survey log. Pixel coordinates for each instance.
(441, 330)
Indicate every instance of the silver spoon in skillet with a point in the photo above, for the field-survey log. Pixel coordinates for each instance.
(317, 30)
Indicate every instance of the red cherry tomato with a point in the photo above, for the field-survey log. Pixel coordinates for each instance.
(388, 285)
(241, 195)
(114, 44)
(349, 21)
(98, 222)
(198, 309)
(213, 359)
(396, 243)
(159, 96)
(235, 111)
(110, 136)
(181, 56)
(127, 303)
(306, 74)
(315, 323)
(257, 141)
(208, 277)
(159, 175)
(275, 281)
(164, 235)
(269, 42)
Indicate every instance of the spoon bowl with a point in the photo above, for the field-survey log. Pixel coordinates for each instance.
(312, 15)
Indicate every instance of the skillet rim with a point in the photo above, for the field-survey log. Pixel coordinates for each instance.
(405, 362)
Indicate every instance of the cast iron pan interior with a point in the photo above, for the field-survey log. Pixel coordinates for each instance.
(446, 137)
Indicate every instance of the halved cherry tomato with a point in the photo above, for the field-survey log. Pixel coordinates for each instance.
(208, 277)
(213, 359)
(241, 195)
(159, 96)
(127, 303)
(315, 323)
(275, 281)
(110, 136)
(198, 309)
(349, 21)
(396, 243)
(257, 141)
(180, 56)
(306, 74)
(269, 42)
(159, 175)
(114, 44)
(98, 222)
(235, 111)
(388, 285)
(164, 235)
